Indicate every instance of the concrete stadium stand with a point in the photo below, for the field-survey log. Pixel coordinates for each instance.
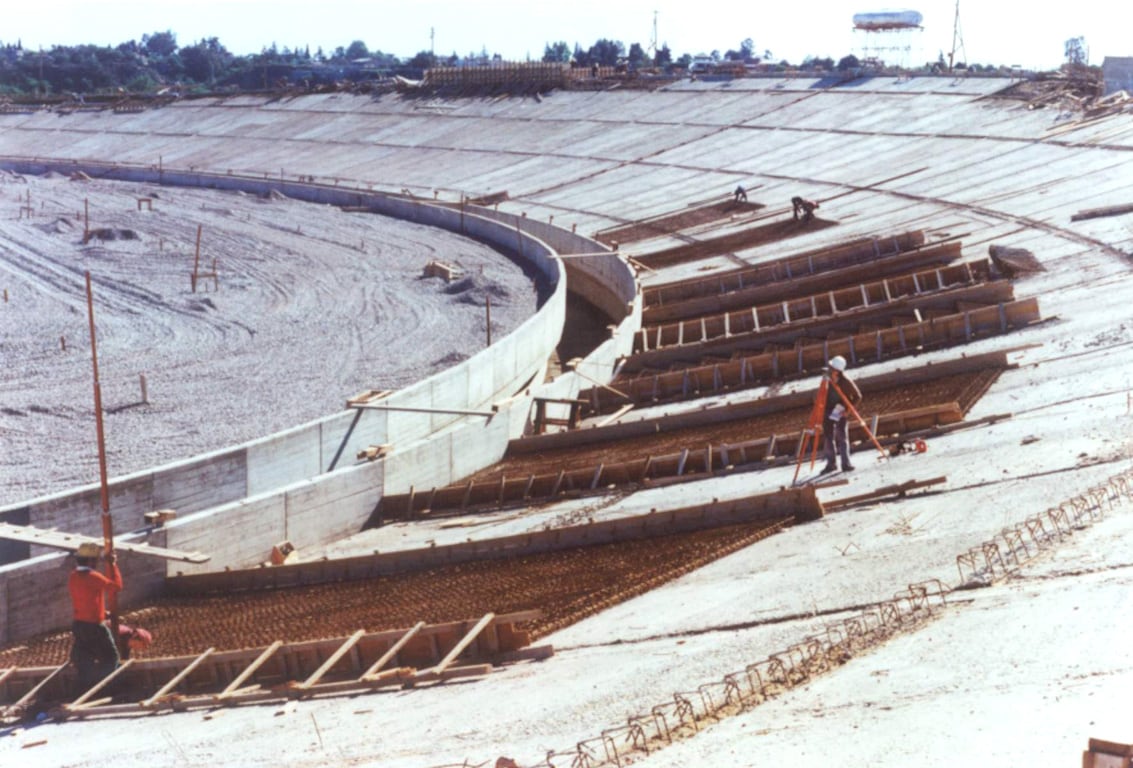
(305, 484)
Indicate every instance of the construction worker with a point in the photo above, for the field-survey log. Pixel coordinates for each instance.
(740, 195)
(93, 652)
(835, 423)
(807, 207)
(133, 640)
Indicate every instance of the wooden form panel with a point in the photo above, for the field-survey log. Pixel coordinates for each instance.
(362, 661)
(813, 307)
(787, 268)
(789, 288)
(810, 357)
(927, 306)
(775, 229)
(996, 360)
(799, 503)
(688, 464)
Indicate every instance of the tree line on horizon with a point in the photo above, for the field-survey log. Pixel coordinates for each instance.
(157, 64)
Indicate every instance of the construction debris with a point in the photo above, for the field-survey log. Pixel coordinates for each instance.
(441, 269)
(1012, 262)
(1107, 754)
(373, 452)
(282, 553)
(159, 517)
(1095, 213)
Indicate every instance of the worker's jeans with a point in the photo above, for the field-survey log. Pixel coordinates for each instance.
(93, 652)
(836, 437)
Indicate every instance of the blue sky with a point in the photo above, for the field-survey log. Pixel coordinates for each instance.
(992, 31)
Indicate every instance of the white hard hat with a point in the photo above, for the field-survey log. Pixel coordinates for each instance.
(838, 363)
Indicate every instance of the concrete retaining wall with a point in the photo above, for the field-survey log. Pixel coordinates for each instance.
(608, 282)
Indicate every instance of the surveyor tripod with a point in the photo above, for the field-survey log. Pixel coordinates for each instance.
(809, 442)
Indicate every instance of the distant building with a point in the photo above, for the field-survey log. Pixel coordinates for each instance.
(1118, 74)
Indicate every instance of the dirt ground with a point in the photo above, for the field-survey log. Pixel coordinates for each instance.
(310, 305)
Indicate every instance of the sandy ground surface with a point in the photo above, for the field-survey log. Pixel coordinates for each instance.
(311, 305)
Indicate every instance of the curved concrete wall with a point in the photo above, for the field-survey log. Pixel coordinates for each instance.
(607, 281)
(305, 484)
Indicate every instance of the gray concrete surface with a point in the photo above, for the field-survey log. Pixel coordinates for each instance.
(1023, 672)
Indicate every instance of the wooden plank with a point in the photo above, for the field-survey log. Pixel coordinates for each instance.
(398, 676)
(29, 697)
(530, 653)
(79, 702)
(616, 415)
(899, 489)
(332, 660)
(165, 689)
(393, 650)
(1093, 213)
(458, 649)
(471, 670)
(70, 541)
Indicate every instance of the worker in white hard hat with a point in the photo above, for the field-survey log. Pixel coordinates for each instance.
(835, 423)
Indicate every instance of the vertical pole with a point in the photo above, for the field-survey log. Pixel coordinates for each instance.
(104, 491)
(86, 219)
(197, 259)
(488, 306)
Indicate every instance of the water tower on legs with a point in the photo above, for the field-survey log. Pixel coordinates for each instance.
(888, 37)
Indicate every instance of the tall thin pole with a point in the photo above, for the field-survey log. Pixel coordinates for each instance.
(488, 307)
(956, 37)
(104, 490)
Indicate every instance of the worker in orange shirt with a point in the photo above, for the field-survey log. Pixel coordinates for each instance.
(93, 652)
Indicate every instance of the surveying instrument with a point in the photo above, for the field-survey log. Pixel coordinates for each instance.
(815, 422)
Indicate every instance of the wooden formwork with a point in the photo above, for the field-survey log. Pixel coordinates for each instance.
(871, 318)
(538, 75)
(800, 504)
(684, 465)
(809, 357)
(534, 444)
(796, 266)
(358, 663)
(746, 238)
(756, 291)
(813, 307)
